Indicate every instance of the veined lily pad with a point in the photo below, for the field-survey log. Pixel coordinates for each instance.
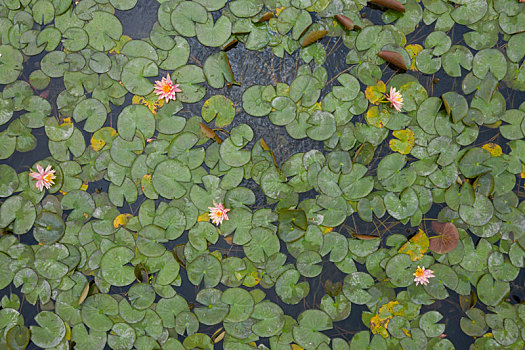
(20, 212)
(213, 310)
(50, 332)
(114, 269)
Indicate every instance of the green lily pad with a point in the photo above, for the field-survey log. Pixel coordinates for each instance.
(18, 337)
(10, 64)
(141, 296)
(479, 213)
(134, 74)
(283, 111)
(241, 304)
(469, 11)
(456, 57)
(185, 15)
(455, 105)
(489, 60)
(114, 269)
(217, 70)
(355, 285)
(8, 180)
(491, 292)
(97, 311)
(308, 331)
(205, 268)
(213, 34)
(322, 126)
(221, 107)
(80, 202)
(509, 334)
(288, 289)
(165, 183)
(428, 324)
(214, 310)
(399, 271)
(103, 29)
(270, 319)
(51, 331)
(263, 243)
(49, 228)
(403, 206)
(253, 102)
(93, 111)
(122, 336)
(19, 212)
(475, 324)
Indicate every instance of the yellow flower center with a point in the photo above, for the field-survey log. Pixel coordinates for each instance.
(219, 213)
(166, 88)
(419, 272)
(48, 177)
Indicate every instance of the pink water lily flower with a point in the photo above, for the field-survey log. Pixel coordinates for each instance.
(218, 213)
(395, 99)
(166, 89)
(44, 178)
(423, 275)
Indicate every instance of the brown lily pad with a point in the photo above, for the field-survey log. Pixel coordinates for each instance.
(447, 238)
(312, 37)
(394, 58)
(345, 21)
(390, 4)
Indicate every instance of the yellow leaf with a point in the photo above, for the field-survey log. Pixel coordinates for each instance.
(63, 192)
(97, 144)
(151, 101)
(217, 254)
(264, 145)
(377, 118)
(296, 347)
(102, 137)
(252, 279)
(406, 331)
(413, 51)
(84, 186)
(379, 322)
(203, 217)
(120, 44)
(121, 220)
(327, 229)
(145, 178)
(404, 142)
(416, 247)
(279, 10)
(66, 121)
(218, 336)
(375, 93)
(68, 331)
(494, 149)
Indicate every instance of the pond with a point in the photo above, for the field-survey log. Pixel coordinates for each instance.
(284, 174)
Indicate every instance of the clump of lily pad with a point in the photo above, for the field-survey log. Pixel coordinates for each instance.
(165, 208)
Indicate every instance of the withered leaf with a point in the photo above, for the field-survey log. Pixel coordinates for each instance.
(312, 37)
(390, 4)
(394, 58)
(345, 21)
